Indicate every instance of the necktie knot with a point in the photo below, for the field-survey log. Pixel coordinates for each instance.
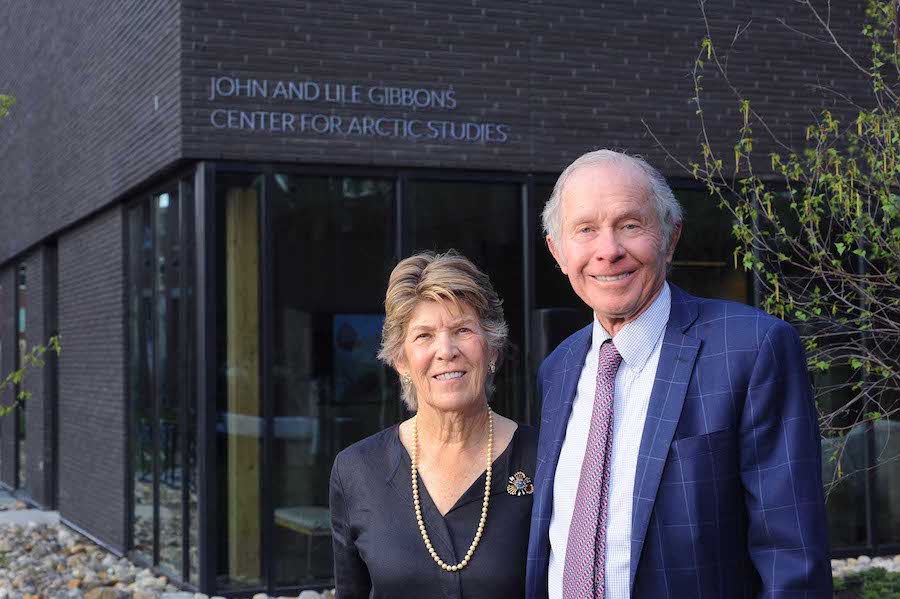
(609, 362)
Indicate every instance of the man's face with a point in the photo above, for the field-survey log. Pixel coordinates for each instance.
(611, 243)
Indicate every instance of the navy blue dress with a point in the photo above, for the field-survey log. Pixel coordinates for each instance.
(378, 550)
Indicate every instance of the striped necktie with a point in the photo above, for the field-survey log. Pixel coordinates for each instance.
(585, 567)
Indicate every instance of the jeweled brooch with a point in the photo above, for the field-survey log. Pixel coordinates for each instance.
(519, 485)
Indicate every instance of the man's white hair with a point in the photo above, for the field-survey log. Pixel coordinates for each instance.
(668, 210)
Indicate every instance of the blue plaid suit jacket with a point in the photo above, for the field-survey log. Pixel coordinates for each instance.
(728, 491)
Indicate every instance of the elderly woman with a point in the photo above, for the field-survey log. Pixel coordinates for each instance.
(439, 505)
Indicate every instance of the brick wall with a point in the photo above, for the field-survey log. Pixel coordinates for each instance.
(92, 415)
(97, 88)
(112, 92)
(566, 77)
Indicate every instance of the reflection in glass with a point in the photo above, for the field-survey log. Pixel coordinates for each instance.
(484, 222)
(887, 461)
(169, 393)
(704, 257)
(140, 332)
(187, 376)
(331, 242)
(239, 406)
(845, 459)
(160, 368)
(22, 341)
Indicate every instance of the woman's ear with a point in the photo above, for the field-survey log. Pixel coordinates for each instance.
(400, 365)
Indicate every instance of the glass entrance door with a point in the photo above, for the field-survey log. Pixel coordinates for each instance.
(303, 262)
(332, 249)
(483, 221)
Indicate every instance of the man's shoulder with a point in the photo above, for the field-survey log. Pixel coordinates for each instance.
(568, 350)
(719, 316)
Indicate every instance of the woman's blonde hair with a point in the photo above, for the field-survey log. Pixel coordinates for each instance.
(447, 277)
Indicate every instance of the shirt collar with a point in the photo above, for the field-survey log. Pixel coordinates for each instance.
(637, 339)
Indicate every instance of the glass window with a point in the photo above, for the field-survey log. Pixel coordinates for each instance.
(887, 472)
(169, 391)
(845, 459)
(187, 374)
(484, 222)
(140, 332)
(161, 349)
(239, 403)
(704, 258)
(22, 343)
(331, 240)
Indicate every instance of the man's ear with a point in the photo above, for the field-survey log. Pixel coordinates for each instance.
(673, 241)
(557, 255)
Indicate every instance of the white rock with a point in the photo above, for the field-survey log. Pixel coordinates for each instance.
(309, 595)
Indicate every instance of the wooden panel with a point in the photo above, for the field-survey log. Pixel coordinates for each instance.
(244, 454)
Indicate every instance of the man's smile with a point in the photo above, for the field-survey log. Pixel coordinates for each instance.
(608, 278)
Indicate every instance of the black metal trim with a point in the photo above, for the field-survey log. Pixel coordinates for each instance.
(205, 272)
(528, 299)
(154, 387)
(16, 389)
(51, 372)
(185, 394)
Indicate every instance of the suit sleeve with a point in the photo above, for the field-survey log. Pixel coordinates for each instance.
(351, 577)
(782, 474)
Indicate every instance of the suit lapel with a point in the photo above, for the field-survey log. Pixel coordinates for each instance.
(676, 364)
(560, 390)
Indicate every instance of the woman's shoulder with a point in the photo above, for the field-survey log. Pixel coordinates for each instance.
(373, 452)
(527, 435)
(527, 442)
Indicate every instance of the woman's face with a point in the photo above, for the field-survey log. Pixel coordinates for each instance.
(445, 353)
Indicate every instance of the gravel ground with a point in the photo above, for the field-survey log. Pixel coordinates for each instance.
(42, 559)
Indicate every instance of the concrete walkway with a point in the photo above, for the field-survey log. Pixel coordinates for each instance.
(10, 515)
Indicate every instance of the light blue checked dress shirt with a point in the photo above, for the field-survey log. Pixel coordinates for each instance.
(639, 343)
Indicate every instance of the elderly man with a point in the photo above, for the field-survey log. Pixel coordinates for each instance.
(679, 444)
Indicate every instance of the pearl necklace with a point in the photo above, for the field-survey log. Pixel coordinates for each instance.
(484, 507)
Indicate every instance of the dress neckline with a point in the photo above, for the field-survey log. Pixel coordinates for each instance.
(475, 491)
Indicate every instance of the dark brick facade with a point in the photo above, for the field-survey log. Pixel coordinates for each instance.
(92, 425)
(97, 89)
(110, 93)
(566, 77)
